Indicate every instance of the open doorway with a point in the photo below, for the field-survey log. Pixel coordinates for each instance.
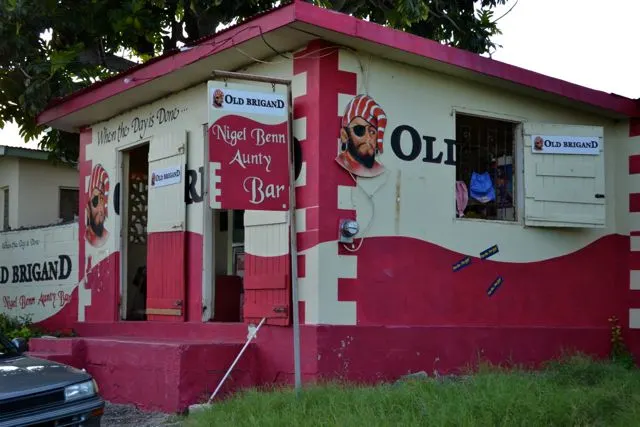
(228, 265)
(135, 207)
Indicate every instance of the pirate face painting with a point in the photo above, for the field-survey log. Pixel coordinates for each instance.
(538, 144)
(97, 207)
(361, 136)
(218, 98)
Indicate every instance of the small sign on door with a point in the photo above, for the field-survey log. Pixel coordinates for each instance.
(166, 176)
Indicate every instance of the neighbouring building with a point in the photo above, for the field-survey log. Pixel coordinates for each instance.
(34, 191)
(38, 237)
(494, 211)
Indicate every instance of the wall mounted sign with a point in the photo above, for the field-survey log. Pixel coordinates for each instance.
(166, 176)
(543, 144)
(37, 274)
(248, 146)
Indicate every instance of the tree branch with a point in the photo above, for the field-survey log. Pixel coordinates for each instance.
(112, 62)
(171, 41)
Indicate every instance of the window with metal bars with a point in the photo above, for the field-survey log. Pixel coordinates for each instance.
(485, 164)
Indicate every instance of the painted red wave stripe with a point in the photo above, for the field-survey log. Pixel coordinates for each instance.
(414, 285)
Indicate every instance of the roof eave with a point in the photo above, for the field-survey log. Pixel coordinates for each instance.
(374, 33)
(323, 21)
(158, 67)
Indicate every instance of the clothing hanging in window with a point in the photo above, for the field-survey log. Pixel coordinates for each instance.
(481, 187)
(462, 197)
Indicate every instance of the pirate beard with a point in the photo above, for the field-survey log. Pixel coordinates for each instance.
(367, 160)
(98, 229)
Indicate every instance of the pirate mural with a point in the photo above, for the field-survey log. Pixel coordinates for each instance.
(96, 209)
(361, 136)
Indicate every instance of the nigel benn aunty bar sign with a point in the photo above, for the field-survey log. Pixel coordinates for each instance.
(543, 144)
(248, 146)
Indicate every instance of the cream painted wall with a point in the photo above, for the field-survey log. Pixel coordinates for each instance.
(425, 101)
(34, 190)
(138, 126)
(39, 197)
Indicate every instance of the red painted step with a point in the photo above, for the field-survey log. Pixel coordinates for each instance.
(51, 345)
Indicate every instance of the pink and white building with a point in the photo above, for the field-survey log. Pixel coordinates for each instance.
(497, 212)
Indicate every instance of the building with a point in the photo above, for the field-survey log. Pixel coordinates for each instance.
(34, 191)
(495, 212)
(38, 237)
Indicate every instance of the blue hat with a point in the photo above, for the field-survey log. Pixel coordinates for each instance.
(481, 187)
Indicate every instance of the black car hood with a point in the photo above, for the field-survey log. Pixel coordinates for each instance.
(24, 375)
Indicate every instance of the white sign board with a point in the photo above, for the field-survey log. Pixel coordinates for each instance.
(544, 144)
(166, 176)
(227, 100)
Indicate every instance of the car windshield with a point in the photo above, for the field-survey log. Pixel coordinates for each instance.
(6, 348)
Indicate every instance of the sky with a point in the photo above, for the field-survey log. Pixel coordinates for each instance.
(588, 42)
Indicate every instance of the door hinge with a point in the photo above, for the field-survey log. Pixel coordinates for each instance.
(279, 309)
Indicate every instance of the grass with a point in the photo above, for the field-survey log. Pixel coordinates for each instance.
(575, 391)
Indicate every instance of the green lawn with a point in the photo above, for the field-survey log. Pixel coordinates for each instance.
(574, 392)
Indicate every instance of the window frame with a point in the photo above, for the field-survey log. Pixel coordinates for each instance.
(60, 190)
(518, 165)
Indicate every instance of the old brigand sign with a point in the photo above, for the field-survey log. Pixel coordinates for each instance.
(248, 147)
(59, 269)
(544, 144)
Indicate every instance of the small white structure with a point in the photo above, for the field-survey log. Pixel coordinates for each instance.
(34, 191)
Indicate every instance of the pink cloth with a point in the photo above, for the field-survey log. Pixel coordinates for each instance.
(462, 197)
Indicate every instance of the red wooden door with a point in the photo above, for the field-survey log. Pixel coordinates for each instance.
(166, 228)
(267, 274)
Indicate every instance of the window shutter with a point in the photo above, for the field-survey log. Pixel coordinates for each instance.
(564, 181)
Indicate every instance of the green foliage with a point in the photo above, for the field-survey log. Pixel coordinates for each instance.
(572, 391)
(22, 326)
(88, 38)
(14, 327)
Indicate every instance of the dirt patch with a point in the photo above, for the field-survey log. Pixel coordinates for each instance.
(129, 415)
